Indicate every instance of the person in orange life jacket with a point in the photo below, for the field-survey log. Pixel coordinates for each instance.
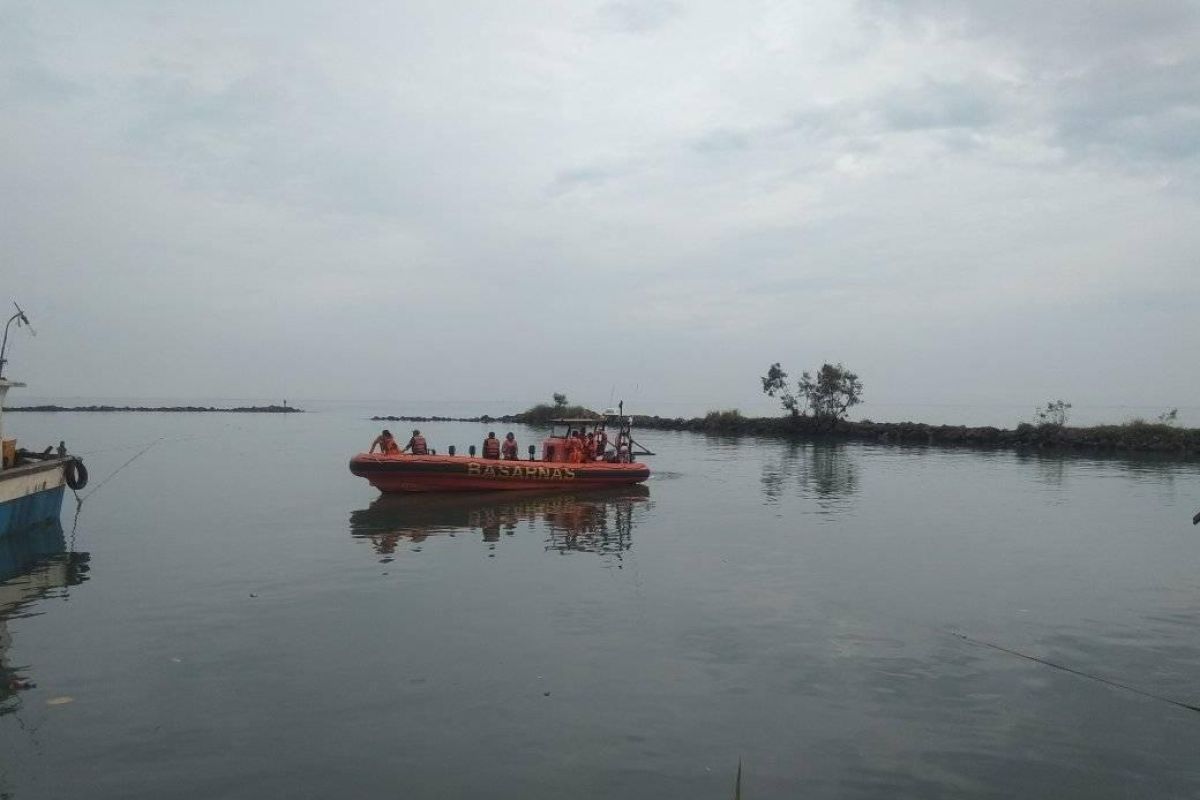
(575, 448)
(386, 444)
(509, 447)
(491, 446)
(417, 444)
(589, 447)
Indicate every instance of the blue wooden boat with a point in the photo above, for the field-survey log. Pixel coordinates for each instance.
(31, 483)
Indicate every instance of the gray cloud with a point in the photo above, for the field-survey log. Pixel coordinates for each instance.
(638, 16)
(1112, 79)
(939, 105)
(24, 75)
(576, 177)
(721, 140)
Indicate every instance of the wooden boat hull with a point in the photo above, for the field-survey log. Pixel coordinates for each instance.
(31, 494)
(405, 473)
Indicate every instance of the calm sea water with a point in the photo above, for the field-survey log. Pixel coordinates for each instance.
(241, 618)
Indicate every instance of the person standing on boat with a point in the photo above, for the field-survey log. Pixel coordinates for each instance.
(601, 444)
(589, 447)
(416, 445)
(491, 446)
(386, 444)
(509, 447)
(575, 448)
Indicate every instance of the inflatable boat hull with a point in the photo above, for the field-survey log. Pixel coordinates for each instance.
(405, 473)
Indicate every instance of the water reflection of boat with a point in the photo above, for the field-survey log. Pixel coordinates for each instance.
(34, 562)
(594, 521)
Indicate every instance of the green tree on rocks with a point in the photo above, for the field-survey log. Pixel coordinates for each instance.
(833, 392)
(774, 384)
(1054, 414)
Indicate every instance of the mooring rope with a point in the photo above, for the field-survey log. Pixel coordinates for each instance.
(1073, 671)
(80, 498)
(948, 630)
(144, 447)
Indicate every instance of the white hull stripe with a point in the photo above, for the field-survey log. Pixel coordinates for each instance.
(16, 487)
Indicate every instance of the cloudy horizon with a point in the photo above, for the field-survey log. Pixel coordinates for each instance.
(968, 203)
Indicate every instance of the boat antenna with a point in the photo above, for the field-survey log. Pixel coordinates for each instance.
(20, 319)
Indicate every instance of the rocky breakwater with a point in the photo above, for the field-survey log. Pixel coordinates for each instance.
(273, 409)
(1134, 436)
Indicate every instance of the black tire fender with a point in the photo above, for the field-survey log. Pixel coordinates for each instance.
(75, 474)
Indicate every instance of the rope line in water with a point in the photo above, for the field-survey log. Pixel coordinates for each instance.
(226, 429)
(946, 630)
(79, 499)
(1073, 671)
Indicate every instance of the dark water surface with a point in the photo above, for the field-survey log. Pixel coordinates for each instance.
(243, 618)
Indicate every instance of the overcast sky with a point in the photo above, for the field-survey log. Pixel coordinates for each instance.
(966, 202)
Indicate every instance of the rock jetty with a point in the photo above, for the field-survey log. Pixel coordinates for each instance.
(168, 409)
(1136, 435)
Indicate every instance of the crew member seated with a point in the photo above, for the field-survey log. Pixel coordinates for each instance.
(491, 446)
(416, 445)
(509, 448)
(386, 444)
(589, 447)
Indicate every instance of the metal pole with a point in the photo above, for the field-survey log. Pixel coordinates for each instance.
(20, 315)
(4, 346)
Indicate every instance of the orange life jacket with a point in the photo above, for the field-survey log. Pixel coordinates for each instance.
(574, 450)
(491, 447)
(419, 448)
(510, 449)
(390, 448)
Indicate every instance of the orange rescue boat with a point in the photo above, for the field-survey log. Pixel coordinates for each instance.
(557, 468)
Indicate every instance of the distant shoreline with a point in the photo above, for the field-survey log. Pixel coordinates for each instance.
(1134, 436)
(165, 409)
